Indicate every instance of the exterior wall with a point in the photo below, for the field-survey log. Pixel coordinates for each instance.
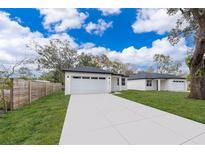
(67, 83)
(165, 84)
(153, 87)
(125, 86)
(69, 75)
(114, 85)
(136, 84)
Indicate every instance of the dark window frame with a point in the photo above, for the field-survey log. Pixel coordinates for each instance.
(94, 78)
(179, 81)
(118, 81)
(85, 77)
(148, 83)
(102, 78)
(76, 77)
(123, 82)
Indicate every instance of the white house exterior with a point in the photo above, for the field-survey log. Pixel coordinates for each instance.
(86, 80)
(155, 81)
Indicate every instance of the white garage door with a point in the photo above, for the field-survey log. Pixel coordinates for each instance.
(82, 84)
(179, 85)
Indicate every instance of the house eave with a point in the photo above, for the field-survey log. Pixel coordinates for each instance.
(156, 78)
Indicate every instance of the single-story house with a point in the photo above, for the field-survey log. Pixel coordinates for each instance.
(84, 80)
(156, 81)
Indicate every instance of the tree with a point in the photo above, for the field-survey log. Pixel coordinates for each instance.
(24, 73)
(48, 76)
(102, 61)
(192, 24)
(165, 64)
(118, 67)
(5, 83)
(87, 60)
(56, 55)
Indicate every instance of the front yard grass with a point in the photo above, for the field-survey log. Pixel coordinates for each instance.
(172, 102)
(38, 123)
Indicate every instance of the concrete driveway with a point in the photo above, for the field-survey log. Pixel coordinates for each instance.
(108, 119)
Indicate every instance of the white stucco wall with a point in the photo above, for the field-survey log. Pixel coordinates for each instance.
(114, 86)
(125, 86)
(166, 84)
(119, 87)
(136, 84)
(153, 87)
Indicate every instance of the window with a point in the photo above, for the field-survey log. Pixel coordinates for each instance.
(85, 77)
(123, 81)
(178, 81)
(76, 77)
(149, 83)
(94, 77)
(101, 78)
(118, 81)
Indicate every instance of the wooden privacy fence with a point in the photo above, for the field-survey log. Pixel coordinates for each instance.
(25, 91)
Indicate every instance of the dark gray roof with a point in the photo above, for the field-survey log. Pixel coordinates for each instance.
(86, 69)
(146, 75)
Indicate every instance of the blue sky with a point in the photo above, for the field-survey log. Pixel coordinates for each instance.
(129, 35)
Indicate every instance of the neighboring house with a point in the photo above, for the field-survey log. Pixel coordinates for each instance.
(84, 80)
(156, 81)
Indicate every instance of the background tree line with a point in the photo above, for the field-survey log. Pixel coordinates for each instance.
(57, 55)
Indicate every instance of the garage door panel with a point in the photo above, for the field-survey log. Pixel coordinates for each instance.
(178, 86)
(79, 86)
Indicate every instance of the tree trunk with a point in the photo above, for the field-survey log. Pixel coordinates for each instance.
(197, 67)
(197, 88)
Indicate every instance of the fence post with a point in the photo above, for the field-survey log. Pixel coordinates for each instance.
(11, 104)
(52, 88)
(29, 90)
(46, 88)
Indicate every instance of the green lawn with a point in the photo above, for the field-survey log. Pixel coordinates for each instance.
(38, 123)
(172, 102)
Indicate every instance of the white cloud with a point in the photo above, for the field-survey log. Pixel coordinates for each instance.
(13, 39)
(62, 19)
(87, 45)
(94, 50)
(110, 11)
(143, 57)
(98, 28)
(156, 20)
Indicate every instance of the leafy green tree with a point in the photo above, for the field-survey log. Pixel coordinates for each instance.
(165, 64)
(56, 55)
(87, 60)
(192, 25)
(119, 67)
(48, 76)
(102, 61)
(6, 73)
